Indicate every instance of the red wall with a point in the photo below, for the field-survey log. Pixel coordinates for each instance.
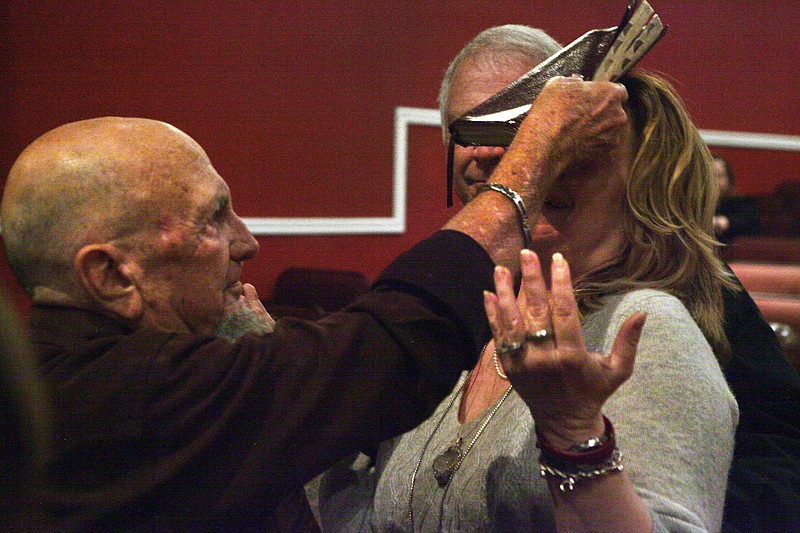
(294, 100)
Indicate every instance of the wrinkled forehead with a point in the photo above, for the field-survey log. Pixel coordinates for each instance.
(185, 185)
(165, 173)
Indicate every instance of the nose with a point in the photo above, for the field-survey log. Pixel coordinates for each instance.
(243, 245)
(487, 157)
(488, 152)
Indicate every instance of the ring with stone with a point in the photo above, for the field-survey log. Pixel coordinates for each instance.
(506, 348)
(540, 335)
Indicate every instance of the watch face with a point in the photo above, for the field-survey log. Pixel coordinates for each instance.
(591, 444)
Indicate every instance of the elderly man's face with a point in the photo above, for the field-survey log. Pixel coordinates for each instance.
(475, 80)
(190, 274)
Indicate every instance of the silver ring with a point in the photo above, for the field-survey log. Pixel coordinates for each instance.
(506, 348)
(538, 336)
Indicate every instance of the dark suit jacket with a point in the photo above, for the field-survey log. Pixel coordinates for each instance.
(764, 482)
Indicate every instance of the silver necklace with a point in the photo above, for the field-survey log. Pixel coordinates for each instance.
(450, 460)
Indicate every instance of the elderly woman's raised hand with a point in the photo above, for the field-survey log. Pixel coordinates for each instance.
(563, 384)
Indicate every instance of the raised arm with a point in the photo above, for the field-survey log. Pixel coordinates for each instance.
(539, 340)
(570, 121)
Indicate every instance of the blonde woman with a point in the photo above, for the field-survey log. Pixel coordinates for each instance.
(600, 404)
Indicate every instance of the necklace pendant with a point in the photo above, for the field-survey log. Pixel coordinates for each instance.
(446, 463)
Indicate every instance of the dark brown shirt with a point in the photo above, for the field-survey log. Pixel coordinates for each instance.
(171, 432)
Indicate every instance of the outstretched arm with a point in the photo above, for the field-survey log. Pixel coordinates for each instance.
(565, 387)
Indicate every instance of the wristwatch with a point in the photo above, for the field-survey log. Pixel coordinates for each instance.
(591, 444)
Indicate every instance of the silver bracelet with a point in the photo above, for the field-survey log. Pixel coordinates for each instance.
(579, 472)
(527, 234)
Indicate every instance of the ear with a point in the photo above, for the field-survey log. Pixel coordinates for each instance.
(106, 275)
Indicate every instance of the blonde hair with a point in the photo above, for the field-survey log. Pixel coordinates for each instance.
(671, 196)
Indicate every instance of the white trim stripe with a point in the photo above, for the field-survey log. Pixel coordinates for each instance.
(404, 117)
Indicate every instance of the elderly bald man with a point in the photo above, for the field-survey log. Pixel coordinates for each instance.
(125, 237)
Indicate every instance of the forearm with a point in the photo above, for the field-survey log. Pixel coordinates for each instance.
(605, 503)
(449, 271)
(591, 492)
(492, 221)
(527, 170)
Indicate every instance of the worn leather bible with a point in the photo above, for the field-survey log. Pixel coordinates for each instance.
(603, 55)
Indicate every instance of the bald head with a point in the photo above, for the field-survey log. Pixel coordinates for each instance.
(86, 182)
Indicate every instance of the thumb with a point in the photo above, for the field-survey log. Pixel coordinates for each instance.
(623, 354)
(252, 301)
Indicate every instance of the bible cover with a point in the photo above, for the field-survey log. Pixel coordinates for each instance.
(602, 55)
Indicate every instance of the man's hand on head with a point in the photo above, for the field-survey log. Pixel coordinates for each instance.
(573, 121)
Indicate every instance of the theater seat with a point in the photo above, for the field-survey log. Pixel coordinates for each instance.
(768, 278)
(311, 293)
(775, 288)
(763, 249)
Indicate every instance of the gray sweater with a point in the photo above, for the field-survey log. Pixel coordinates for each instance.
(675, 420)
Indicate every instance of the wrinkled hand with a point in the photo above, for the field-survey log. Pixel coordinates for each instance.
(563, 384)
(248, 315)
(250, 299)
(584, 118)
(570, 122)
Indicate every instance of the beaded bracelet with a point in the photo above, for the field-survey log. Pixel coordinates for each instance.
(594, 458)
(527, 234)
(572, 476)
